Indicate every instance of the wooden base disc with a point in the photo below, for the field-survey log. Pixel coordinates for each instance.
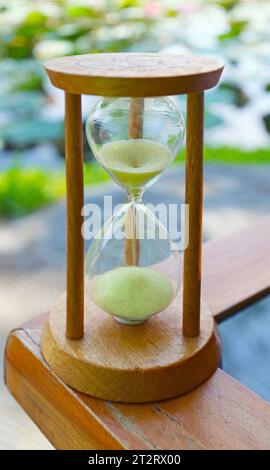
(142, 363)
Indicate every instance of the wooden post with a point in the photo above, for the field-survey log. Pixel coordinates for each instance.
(194, 198)
(132, 243)
(135, 131)
(75, 243)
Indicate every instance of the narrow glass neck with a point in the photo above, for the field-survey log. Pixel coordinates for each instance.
(135, 195)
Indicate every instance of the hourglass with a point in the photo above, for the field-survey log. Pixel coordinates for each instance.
(128, 329)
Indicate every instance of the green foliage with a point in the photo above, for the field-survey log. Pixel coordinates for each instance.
(128, 3)
(236, 28)
(32, 32)
(235, 156)
(81, 24)
(232, 156)
(228, 4)
(25, 190)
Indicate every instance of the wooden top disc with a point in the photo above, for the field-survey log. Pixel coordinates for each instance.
(133, 74)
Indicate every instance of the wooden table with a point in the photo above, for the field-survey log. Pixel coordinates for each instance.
(220, 414)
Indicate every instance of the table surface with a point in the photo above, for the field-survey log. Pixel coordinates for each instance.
(220, 414)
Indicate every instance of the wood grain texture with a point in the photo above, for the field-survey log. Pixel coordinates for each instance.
(133, 74)
(236, 269)
(75, 243)
(44, 398)
(148, 362)
(220, 414)
(194, 200)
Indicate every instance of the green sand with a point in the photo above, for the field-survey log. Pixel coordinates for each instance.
(134, 162)
(132, 293)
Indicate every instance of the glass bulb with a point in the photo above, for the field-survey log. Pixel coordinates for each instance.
(135, 162)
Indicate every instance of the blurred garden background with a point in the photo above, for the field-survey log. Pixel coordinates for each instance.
(31, 110)
(32, 182)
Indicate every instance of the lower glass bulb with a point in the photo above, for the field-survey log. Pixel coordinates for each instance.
(133, 276)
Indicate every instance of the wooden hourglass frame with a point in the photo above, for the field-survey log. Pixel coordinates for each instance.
(176, 350)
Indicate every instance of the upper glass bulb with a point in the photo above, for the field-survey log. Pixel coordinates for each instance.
(135, 139)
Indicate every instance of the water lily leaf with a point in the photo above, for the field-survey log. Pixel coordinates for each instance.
(21, 102)
(266, 121)
(220, 95)
(239, 97)
(211, 119)
(31, 132)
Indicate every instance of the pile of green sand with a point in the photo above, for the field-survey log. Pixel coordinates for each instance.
(134, 162)
(132, 293)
